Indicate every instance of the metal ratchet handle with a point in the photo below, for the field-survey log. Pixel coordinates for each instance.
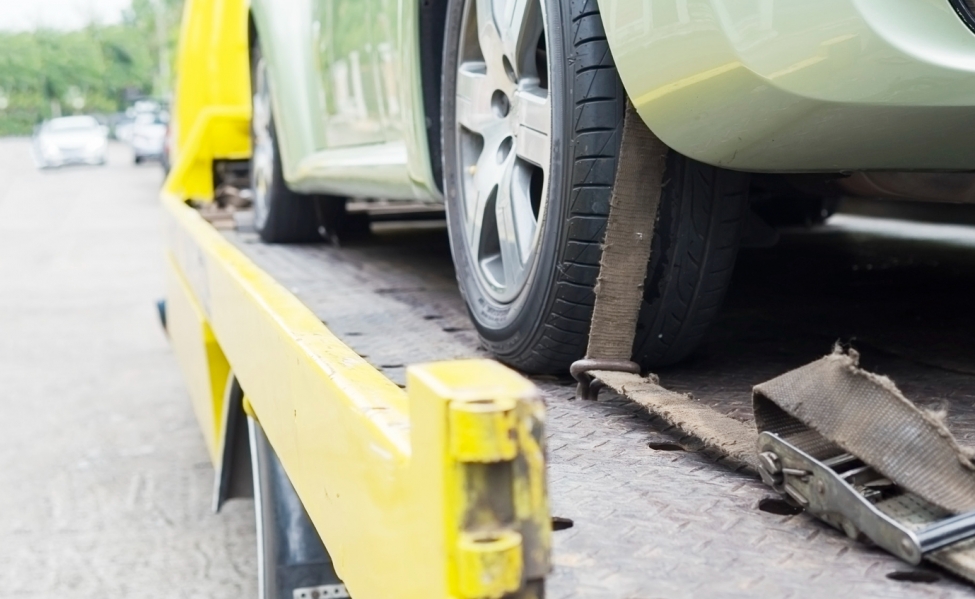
(830, 496)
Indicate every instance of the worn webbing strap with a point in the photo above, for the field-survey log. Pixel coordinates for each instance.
(626, 248)
(723, 433)
(867, 416)
(829, 404)
(959, 559)
(832, 406)
(619, 295)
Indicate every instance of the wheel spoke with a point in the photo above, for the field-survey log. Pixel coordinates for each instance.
(507, 234)
(521, 204)
(534, 124)
(486, 178)
(261, 106)
(473, 97)
(520, 25)
(487, 29)
(262, 122)
(516, 221)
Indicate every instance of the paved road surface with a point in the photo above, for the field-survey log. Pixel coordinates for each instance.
(104, 480)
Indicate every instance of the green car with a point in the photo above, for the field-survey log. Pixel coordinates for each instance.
(510, 113)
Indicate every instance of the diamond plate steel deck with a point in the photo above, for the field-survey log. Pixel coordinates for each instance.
(669, 522)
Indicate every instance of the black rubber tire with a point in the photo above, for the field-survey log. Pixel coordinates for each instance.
(695, 243)
(547, 328)
(290, 553)
(291, 217)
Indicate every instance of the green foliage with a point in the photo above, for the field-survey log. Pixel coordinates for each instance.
(45, 71)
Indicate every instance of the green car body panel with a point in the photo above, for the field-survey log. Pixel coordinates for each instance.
(347, 101)
(801, 85)
(754, 85)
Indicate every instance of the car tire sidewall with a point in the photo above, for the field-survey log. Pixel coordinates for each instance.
(507, 328)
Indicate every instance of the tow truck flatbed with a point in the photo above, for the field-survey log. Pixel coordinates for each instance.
(652, 514)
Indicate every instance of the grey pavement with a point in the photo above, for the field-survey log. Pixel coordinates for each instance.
(104, 479)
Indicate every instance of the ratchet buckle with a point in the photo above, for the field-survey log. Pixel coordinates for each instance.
(848, 494)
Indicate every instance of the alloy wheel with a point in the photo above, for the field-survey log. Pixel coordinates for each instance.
(262, 160)
(504, 122)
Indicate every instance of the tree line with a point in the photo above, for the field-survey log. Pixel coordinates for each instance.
(100, 69)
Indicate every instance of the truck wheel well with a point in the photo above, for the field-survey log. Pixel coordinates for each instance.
(432, 19)
(233, 473)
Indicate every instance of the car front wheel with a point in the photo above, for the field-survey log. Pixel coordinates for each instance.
(533, 113)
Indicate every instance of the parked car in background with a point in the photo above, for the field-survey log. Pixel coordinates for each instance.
(70, 140)
(148, 137)
(122, 129)
(166, 159)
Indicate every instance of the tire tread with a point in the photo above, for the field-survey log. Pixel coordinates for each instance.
(598, 106)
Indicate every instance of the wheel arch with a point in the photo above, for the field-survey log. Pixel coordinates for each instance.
(432, 17)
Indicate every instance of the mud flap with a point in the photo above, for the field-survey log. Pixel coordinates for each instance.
(292, 560)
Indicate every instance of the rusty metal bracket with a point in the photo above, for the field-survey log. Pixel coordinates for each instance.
(588, 387)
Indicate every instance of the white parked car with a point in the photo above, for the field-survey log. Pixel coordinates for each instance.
(148, 137)
(70, 140)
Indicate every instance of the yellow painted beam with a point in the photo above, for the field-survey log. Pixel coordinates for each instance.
(436, 491)
(200, 358)
(212, 110)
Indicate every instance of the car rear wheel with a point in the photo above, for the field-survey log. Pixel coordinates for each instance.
(280, 214)
(532, 120)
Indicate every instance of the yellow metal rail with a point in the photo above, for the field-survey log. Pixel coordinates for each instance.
(212, 107)
(438, 491)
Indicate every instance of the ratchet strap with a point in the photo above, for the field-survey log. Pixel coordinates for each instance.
(846, 445)
(626, 247)
(842, 443)
(619, 295)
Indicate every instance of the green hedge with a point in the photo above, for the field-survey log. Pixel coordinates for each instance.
(106, 65)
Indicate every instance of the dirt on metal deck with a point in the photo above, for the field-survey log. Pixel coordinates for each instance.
(652, 515)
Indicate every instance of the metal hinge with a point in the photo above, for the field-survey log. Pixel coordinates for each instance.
(845, 493)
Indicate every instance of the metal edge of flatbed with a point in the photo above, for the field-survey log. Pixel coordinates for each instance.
(395, 481)
(646, 522)
(642, 517)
